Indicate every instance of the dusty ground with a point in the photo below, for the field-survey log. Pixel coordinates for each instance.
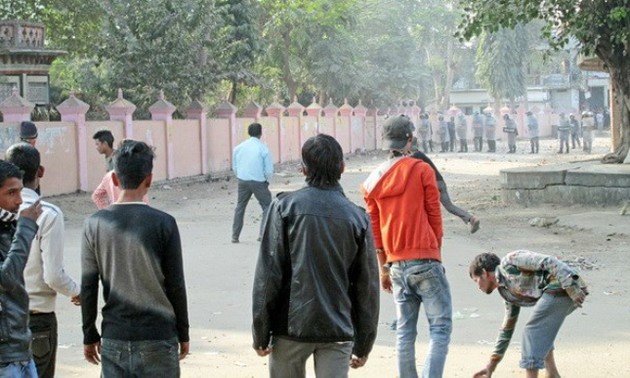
(594, 342)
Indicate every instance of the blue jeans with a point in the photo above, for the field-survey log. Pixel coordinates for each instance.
(146, 358)
(288, 358)
(542, 327)
(246, 189)
(416, 282)
(22, 369)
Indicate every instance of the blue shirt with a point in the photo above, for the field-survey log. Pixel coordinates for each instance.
(251, 161)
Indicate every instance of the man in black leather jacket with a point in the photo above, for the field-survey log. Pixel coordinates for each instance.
(316, 288)
(16, 236)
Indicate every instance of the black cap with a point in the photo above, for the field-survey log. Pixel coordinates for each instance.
(397, 131)
(28, 130)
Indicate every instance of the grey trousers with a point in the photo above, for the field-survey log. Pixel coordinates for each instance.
(288, 359)
(449, 206)
(260, 190)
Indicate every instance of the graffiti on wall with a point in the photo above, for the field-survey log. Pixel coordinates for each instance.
(49, 140)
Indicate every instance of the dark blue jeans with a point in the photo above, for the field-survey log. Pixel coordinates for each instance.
(146, 358)
(260, 190)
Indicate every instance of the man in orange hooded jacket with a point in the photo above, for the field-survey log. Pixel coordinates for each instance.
(403, 202)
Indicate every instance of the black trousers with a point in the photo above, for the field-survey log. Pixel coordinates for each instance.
(44, 330)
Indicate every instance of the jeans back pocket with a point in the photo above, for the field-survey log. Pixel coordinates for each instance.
(424, 280)
(41, 344)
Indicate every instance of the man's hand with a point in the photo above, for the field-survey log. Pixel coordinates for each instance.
(32, 212)
(92, 352)
(577, 294)
(262, 352)
(184, 347)
(76, 300)
(386, 283)
(485, 373)
(357, 362)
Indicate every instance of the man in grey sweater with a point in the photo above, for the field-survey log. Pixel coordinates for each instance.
(135, 250)
(16, 236)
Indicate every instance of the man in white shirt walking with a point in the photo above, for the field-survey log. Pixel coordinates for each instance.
(253, 167)
(44, 274)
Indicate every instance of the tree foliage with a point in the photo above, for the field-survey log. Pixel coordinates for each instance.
(240, 41)
(601, 27)
(501, 57)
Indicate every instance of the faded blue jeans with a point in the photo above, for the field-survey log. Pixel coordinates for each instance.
(542, 328)
(145, 358)
(416, 282)
(23, 369)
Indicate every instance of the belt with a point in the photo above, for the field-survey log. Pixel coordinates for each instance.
(557, 293)
(35, 312)
(405, 262)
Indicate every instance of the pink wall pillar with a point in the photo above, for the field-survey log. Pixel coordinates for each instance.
(275, 111)
(253, 110)
(197, 110)
(163, 110)
(360, 113)
(74, 110)
(330, 123)
(314, 109)
(345, 111)
(15, 108)
(122, 110)
(228, 111)
(314, 112)
(372, 129)
(297, 110)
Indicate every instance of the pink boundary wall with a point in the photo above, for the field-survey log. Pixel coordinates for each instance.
(198, 145)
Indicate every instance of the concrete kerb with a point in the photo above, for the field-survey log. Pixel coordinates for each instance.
(585, 182)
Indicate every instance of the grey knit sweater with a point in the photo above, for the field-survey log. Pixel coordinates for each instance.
(135, 250)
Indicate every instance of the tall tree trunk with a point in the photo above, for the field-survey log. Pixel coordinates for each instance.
(232, 96)
(287, 76)
(621, 98)
(435, 76)
(450, 73)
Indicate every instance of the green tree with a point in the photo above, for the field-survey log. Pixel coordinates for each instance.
(241, 44)
(601, 27)
(389, 62)
(432, 25)
(501, 59)
(152, 45)
(291, 29)
(71, 25)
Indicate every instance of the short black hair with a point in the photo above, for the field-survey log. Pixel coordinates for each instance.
(105, 136)
(322, 157)
(133, 162)
(26, 158)
(485, 261)
(255, 130)
(7, 171)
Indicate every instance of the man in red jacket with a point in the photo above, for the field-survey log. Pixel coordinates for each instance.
(403, 202)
